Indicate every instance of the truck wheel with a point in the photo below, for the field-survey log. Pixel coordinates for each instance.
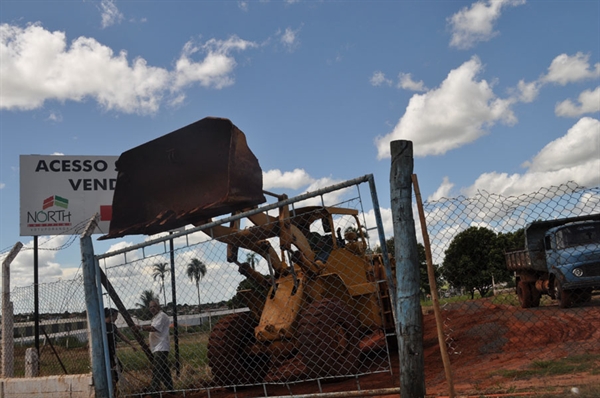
(526, 295)
(536, 296)
(329, 337)
(565, 297)
(229, 356)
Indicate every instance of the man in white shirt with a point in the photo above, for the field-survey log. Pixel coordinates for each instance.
(160, 346)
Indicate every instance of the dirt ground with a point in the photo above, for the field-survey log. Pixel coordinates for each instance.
(482, 339)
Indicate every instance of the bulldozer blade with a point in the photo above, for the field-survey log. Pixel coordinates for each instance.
(188, 176)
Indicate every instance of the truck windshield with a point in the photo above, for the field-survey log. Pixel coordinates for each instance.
(577, 235)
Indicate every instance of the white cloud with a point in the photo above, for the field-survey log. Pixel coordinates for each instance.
(406, 82)
(580, 145)
(289, 38)
(329, 199)
(49, 270)
(295, 179)
(527, 92)
(55, 117)
(243, 5)
(216, 68)
(570, 69)
(110, 13)
(37, 66)
(460, 111)
(387, 222)
(379, 79)
(563, 69)
(476, 23)
(443, 190)
(573, 157)
(588, 102)
(2, 185)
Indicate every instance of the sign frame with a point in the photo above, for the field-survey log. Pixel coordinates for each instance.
(59, 194)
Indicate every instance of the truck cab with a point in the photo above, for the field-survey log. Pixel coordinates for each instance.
(561, 259)
(573, 260)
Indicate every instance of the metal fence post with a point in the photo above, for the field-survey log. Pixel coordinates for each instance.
(8, 366)
(409, 318)
(94, 317)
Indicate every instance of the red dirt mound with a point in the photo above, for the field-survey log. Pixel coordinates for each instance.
(482, 338)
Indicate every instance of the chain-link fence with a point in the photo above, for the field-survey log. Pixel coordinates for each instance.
(63, 331)
(508, 268)
(238, 314)
(276, 296)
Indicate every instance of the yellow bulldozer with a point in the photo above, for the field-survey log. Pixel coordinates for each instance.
(325, 303)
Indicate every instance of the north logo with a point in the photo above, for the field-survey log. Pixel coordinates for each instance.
(49, 216)
(55, 201)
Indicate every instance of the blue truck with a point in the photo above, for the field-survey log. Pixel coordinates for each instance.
(561, 259)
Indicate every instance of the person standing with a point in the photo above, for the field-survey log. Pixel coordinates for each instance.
(160, 347)
(112, 334)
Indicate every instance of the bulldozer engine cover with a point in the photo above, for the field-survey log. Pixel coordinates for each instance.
(185, 177)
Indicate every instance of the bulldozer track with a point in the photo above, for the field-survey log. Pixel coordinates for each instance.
(229, 356)
(329, 338)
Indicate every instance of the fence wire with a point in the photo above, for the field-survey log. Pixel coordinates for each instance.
(508, 293)
(63, 331)
(238, 314)
(289, 295)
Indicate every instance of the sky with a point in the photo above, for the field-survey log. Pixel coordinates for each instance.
(500, 96)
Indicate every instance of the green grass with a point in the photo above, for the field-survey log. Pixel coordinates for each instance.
(505, 297)
(575, 364)
(194, 371)
(75, 359)
(590, 391)
(192, 351)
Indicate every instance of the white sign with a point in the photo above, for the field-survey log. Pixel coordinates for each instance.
(59, 194)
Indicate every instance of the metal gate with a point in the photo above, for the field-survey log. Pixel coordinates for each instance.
(293, 291)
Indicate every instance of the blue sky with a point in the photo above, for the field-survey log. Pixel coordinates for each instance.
(501, 96)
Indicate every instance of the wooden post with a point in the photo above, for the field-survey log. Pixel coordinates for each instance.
(433, 291)
(409, 321)
(8, 349)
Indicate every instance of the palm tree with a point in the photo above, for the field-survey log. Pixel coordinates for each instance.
(196, 270)
(251, 259)
(160, 270)
(145, 298)
(355, 230)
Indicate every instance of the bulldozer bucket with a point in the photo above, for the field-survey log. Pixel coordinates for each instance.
(200, 171)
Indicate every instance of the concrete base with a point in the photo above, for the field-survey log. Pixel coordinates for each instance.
(67, 386)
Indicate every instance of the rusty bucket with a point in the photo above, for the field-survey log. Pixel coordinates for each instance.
(200, 171)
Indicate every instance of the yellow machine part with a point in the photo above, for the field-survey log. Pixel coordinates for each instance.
(352, 271)
(281, 310)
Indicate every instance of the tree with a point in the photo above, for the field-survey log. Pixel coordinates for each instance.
(251, 259)
(196, 270)
(424, 277)
(259, 293)
(160, 270)
(473, 258)
(145, 298)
